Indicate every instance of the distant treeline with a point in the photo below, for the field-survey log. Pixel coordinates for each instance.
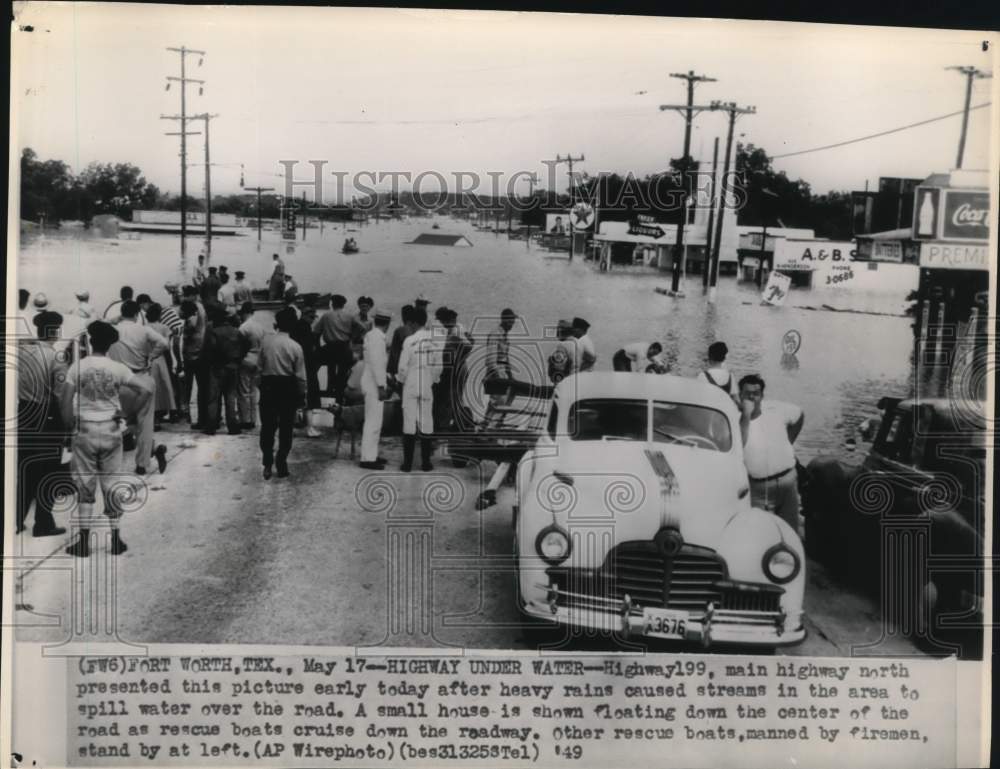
(50, 190)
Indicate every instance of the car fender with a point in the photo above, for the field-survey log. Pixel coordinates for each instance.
(748, 535)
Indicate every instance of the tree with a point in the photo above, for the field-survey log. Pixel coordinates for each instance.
(116, 189)
(48, 189)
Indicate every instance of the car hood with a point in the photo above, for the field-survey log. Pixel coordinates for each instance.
(643, 487)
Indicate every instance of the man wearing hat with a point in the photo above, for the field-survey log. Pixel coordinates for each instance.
(242, 292)
(419, 371)
(98, 383)
(498, 353)
(84, 309)
(588, 355)
(282, 390)
(373, 385)
(40, 433)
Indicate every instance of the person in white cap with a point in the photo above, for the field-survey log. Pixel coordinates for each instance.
(373, 385)
(84, 309)
(40, 302)
(419, 371)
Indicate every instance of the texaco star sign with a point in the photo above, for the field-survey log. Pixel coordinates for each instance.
(583, 216)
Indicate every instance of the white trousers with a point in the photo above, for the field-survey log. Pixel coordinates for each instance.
(372, 431)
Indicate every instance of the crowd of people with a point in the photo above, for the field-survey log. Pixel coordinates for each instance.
(143, 363)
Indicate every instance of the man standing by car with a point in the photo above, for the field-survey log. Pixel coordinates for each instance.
(768, 434)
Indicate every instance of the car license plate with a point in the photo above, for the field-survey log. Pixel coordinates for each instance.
(665, 624)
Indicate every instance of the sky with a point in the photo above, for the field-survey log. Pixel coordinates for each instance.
(394, 90)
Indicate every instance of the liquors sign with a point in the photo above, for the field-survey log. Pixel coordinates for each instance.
(951, 214)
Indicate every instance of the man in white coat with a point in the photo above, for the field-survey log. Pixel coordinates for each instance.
(419, 370)
(373, 385)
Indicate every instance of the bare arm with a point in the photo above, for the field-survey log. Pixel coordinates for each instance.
(795, 427)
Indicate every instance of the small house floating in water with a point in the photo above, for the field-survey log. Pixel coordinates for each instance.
(439, 239)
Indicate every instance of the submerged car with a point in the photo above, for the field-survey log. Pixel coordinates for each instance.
(633, 517)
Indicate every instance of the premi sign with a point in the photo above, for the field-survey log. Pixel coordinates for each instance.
(954, 256)
(966, 216)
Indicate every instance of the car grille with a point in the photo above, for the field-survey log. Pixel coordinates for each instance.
(688, 581)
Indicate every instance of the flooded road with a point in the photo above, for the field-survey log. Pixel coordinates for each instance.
(846, 362)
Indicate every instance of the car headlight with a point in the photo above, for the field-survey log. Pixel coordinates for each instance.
(552, 544)
(781, 564)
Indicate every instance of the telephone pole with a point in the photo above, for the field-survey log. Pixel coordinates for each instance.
(259, 190)
(532, 181)
(208, 186)
(706, 266)
(689, 110)
(971, 73)
(570, 160)
(733, 111)
(184, 133)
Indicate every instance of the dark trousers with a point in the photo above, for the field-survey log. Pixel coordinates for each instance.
(621, 361)
(40, 471)
(279, 400)
(338, 358)
(196, 373)
(223, 382)
(312, 382)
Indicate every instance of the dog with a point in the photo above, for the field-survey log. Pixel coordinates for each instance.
(348, 419)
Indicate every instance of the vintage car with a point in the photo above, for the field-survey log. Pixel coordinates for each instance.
(909, 522)
(633, 517)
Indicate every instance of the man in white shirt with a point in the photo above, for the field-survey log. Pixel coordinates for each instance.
(641, 357)
(251, 335)
(565, 359)
(588, 355)
(137, 347)
(717, 373)
(419, 370)
(768, 434)
(97, 382)
(373, 385)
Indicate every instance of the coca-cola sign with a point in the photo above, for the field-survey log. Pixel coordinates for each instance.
(966, 215)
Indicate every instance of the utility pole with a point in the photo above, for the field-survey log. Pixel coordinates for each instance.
(304, 213)
(208, 186)
(688, 110)
(570, 160)
(971, 73)
(706, 267)
(733, 111)
(259, 190)
(532, 181)
(184, 80)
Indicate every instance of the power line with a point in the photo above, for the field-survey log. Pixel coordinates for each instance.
(881, 133)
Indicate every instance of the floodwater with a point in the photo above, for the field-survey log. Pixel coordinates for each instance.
(845, 364)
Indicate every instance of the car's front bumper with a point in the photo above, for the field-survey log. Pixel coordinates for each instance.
(713, 626)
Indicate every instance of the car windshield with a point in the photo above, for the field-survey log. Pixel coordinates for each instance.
(697, 426)
(595, 419)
